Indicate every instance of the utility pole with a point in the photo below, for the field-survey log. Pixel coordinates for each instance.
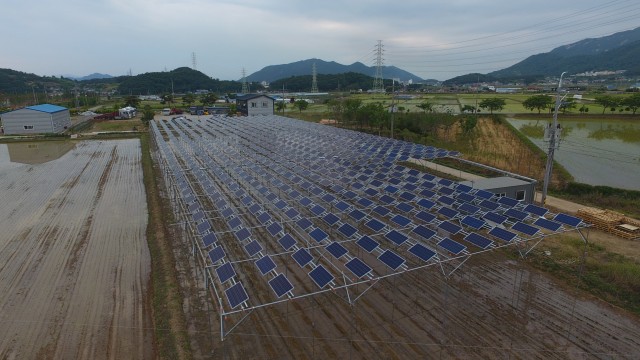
(554, 137)
(393, 106)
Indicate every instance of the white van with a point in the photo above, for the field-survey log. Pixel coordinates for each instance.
(166, 111)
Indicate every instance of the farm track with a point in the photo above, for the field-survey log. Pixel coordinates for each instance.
(492, 307)
(74, 264)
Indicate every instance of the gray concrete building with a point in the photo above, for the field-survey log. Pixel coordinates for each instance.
(255, 104)
(37, 119)
(518, 189)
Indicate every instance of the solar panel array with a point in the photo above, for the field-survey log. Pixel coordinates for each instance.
(316, 208)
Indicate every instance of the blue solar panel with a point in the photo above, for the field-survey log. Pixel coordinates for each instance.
(567, 219)
(247, 200)
(375, 225)
(242, 234)
(318, 235)
(446, 191)
(364, 202)
(489, 205)
(502, 234)
(478, 240)
(225, 272)
(410, 187)
(445, 182)
(396, 237)
(392, 189)
(386, 199)
(274, 229)
(401, 220)
(321, 276)
(287, 241)
(468, 208)
(447, 212)
(302, 257)
(236, 295)
(367, 243)
(427, 193)
(450, 227)
(494, 217)
(358, 267)
(209, 239)
(280, 285)
(505, 200)
(371, 192)
(349, 194)
(423, 231)
(234, 222)
(466, 197)
(407, 196)
(336, 249)
(328, 198)
(472, 222)
(357, 215)
(255, 208)
(318, 210)
(304, 223)
(516, 214)
(216, 254)
(197, 216)
(453, 247)
(525, 228)
(425, 216)
(463, 188)
(446, 200)
(342, 206)
(194, 207)
(381, 210)
(203, 227)
(391, 259)
(548, 224)
(331, 219)
(536, 210)
(305, 201)
(404, 207)
(265, 264)
(347, 230)
(421, 251)
(281, 204)
(227, 212)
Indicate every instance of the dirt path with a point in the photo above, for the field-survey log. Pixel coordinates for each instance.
(74, 264)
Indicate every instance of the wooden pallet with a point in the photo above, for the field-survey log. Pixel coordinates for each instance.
(610, 222)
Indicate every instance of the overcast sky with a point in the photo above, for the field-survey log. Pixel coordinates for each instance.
(431, 39)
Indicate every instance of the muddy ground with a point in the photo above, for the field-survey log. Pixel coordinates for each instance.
(74, 263)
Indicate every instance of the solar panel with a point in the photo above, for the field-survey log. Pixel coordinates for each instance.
(234, 222)
(445, 182)
(478, 240)
(392, 189)
(396, 237)
(468, 208)
(367, 243)
(242, 234)
(321, 276)
(318, 210)
(194, 207)
(364, 202)
(331, 219)
(472, 222)
(502, 234)
(304, 223)
(318, 235)
(225, 272)
(375, 225)
(548, 224)
(536, 210)
(358, 267)
(349, 194)
(371, 192)
(347, 230)
(516, 214)
(466, 197)
(525, 228)
(209, 239)
(425, 216)
(381, 210)
(446, 200)
(247, 200)
(305, 201)
(407, 196)
(404, 207)
(495, 217)
(342, 206)
(446, 191)
(226, 212)
(280, 285)
(253, 248)
(450, 227)
(453, 247)
(423, 231)
(567, 219)
(203, 227)
(357, 215)
(216, 254)
(198, 216)
(265, 264)
(274, 229)
(281, 204)
(236, 295)
(391, 259)
(505, 200)
(328, 198)
(401, 220)
(489, 205)
(421, 251)
(427, 193)
(287, 242)
(302, 257)
(463, 188)
(255, 208)
(447, 212)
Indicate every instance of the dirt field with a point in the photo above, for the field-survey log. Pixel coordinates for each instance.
(74, 263)
(493, 307)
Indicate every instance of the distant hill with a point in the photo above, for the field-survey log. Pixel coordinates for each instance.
(619, 51)
(91, 77)
(12, 81)
(180, 80)
(327, 82)
(304, 67)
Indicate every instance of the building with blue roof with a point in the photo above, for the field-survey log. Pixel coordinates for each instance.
(37, 119)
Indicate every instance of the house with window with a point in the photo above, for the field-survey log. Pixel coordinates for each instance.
(255, 104)
(512, 187)
(37, 119)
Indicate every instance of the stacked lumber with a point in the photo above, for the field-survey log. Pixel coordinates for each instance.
(612, 222)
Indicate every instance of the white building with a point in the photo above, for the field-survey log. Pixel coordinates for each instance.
(37, 119)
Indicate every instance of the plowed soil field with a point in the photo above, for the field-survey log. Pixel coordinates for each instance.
(74, 263)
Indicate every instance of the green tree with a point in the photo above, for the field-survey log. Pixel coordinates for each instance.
(351, 107)
(166, 98)
(373, 114)
(281, 105)
(188, 99)
(493, 104)
(426, 106)
(607, 102)
(132, 101)
(147, 114)
(301, 105)
(468, 108)
(567, 105)
(468, 124)
(233, 109)
(537, 102)
(632, 102)
(208, 99)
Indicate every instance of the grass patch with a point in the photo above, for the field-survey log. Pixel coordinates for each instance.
(117, 125)
(620, 200)
(612, 277)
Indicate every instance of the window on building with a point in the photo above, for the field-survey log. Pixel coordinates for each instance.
(265, 104)
(253, 104)
(501, 195)
(520, 194)
(28, 127)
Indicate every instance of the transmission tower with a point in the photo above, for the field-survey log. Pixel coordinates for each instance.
(378, 85)
(193, 61)
(314, 79)
(245, 86)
